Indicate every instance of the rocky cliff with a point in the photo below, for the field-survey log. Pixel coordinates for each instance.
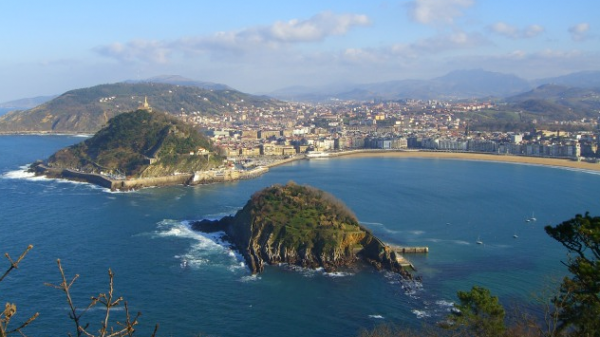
(303, 226)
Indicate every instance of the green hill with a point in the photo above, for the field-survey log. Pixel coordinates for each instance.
(303, 226)
(89, 109)
(558, 102)
(140, 144)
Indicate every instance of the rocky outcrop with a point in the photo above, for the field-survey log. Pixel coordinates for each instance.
(302, 226)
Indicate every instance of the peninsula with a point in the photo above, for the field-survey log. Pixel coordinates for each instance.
(303, 226)
(141, 149)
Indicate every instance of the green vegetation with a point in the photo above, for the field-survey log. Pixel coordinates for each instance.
(578, 302)
(139, 144)
(573, 312)
(304, 226)
(89, 109)
(305, 217)
(479, 314)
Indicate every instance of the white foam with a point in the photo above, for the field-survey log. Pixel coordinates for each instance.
(376, 316)
(250, 278)
(205, 248)
(339, 274)
(421, 313)
(445, 304)
(371, 223)
(23, 173)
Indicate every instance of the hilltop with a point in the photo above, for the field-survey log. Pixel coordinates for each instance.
(558, 102)
(304, 226)
(139, 144)
(87, 110)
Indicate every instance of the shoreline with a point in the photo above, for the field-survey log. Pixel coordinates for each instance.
(473, 156)
(208, 177)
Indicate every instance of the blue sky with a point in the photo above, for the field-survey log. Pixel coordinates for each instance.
(259, 46)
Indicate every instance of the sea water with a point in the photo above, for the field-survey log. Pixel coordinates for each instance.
(191, 283)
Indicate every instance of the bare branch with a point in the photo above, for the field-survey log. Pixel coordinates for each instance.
(15, 264)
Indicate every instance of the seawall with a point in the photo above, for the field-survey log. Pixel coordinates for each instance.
(200, 177)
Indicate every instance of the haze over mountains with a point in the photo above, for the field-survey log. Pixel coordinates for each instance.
(456, 85)
(568, 97)
(86, 110)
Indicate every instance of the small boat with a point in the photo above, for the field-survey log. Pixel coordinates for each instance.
(515, 236)
(532, 217)
(479, 242)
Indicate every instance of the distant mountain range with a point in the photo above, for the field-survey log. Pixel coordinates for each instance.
(86, 110)
(456, 85)
(25, 103)
(28, 103)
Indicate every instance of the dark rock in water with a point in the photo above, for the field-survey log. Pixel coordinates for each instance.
(303, 226)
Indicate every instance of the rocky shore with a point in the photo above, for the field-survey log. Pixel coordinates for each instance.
(302, 226)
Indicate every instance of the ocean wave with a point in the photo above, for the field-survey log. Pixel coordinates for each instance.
(417, 232)
(24, 174)
(338, 274)
(376, 316)
(205, 249)
(250, 278)
(445, 304)
(370, 223)
(458, 242)
(411, 288)
(421, 313)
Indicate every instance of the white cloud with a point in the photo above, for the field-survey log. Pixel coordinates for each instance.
(579, 32)
(437, 11)
(147, 51)
(425, 48)
(456, 40)
(513, 32)
(254, 39)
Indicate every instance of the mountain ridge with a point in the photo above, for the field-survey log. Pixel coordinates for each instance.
(86, 110)
(455, 85)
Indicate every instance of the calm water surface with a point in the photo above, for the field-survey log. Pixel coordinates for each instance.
(191, 284)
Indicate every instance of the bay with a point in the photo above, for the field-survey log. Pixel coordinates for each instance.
(190, 284)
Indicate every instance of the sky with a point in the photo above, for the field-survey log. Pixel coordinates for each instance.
(258, 46)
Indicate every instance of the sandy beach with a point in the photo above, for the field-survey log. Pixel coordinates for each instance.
(557, 162)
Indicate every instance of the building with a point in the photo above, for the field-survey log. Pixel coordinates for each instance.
(145, 105)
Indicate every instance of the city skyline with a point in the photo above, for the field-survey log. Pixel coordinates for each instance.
(261, 46)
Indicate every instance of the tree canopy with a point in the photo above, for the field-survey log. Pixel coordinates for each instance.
(578, 302)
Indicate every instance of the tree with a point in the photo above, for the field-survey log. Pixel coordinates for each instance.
(479, 314)
(578, 301)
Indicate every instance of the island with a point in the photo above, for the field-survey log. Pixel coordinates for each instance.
(304, 226)
(142, 148)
